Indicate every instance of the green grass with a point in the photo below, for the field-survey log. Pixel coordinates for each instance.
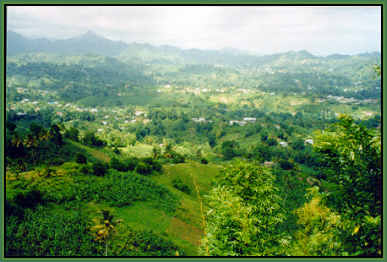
(96, 153)
(144, 216)
(139, 150)
(189, 172)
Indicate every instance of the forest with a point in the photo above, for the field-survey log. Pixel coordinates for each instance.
(143, 150)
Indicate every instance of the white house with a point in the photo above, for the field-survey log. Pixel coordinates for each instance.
(250, 119)
(309, 141)
(199, 120)
(139, 113)
(241, 123)
(283, 144)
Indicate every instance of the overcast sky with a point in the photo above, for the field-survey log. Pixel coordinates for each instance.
(320, 30)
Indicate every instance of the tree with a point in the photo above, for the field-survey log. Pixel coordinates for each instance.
(353, 167)
(244, 213)
(105, 228)
(72, 133)
(230, 149)
(80, 158)
(319, 234)
(143, 168)
(352, 154)
(118, 165)
(55, 135)
(92, 140)
(99, 169)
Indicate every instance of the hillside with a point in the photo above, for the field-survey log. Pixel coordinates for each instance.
(128, 149)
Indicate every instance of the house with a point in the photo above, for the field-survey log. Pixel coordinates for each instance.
(268, 163)
(104, 122)
(283, 144)
(199, 120)
(250, 119)
(59, 113)
(139, 113)
(94, 110)
(309, 141)
(241, 123)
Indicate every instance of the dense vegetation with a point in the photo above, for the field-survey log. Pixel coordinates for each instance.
(158, 151)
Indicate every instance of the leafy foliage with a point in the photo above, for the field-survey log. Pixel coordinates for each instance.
(244, 213)
(353, 167)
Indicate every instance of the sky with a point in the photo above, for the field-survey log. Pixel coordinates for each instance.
(321, 30)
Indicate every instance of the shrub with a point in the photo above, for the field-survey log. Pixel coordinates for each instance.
(80, 158)
(157, 166)
(56, 161)
(99, 169)
(179, 184)
(148, 160)
(148, 243)
(118, 165)
(286, 165)
(177, 158)
(30, 199)
(86, 170)
(204, 161)
(116, 151)
(131, 164)
(143, 168)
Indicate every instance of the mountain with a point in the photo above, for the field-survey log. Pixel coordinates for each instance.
(143, 53)
(88, 43)
(16, 43)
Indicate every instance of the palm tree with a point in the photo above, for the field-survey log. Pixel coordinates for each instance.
(105, 228)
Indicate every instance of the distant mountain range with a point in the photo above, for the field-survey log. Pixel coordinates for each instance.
(92, 43)
(88, 43)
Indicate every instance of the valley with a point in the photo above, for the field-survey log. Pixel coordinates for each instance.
(121, 150)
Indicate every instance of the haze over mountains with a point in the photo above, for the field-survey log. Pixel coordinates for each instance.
(93, 43)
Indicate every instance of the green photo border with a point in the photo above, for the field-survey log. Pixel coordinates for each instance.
(178, 2)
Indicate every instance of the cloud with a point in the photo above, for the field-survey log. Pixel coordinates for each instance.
(264, 29)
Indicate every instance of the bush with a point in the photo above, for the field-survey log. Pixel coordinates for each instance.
(116, 151)
(80, 158)
(179, 184)
(30, 199)
(177, 158)
(157, 166)
(204, 161)
(286, 165)
(143, 168)
(148, 243)
(148, 160)
(123, 189)
(44, 232)
(86, 170)
(272, 142)
(118, 165)
(99, 169)
(131, 164)
(56, 161)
